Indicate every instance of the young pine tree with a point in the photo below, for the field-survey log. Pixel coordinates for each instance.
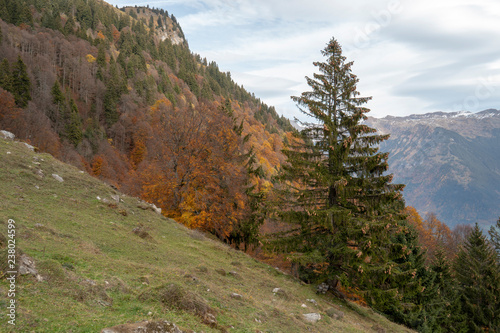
(20, 83)
(477, 273)
(342, 208)
(446, 305)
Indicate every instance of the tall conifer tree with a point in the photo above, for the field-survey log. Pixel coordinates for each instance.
(20, 83)
(477, 273)
(495, 238)
(342, 208)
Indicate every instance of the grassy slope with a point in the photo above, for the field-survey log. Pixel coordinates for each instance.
(99, 273)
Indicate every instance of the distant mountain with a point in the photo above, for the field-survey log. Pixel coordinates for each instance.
(450, 163)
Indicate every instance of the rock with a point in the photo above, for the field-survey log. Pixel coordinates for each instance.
(141, 232)
(115, 197)
(57, 177)
(304, 306)
(312, 317)
(210, 320)
(312, 301)
(156, 209)
(30, 147)
(334, 313)
(236, 296)
(161, 326)
(280, 293)
(322, 288)
(235, 275)
(39, 173)
(7, 135)
(27, 266)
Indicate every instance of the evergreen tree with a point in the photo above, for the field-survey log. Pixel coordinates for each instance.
(58, 100)
(447, 311)
(20, 83)
(478, 276)
(73, 127)
(495, 238)
(69, 27)
(413, 280)
(342, 209)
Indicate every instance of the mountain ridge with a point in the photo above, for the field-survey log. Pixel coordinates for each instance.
(450, 163)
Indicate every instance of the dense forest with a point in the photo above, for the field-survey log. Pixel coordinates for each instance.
(117, 92)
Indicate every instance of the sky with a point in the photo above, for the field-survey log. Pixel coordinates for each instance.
(412, 57)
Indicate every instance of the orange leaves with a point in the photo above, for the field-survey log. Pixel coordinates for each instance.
(138, 153)
(9, 112)
(115, 33)
(161, 103)
(97, 164)
(433, 234)
(100, 35)
(190, 166)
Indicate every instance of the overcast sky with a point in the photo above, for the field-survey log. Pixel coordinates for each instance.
(410, 56)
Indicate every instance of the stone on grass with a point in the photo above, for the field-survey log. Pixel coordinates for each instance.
(312, 317)
(280, 293)
(334, 313)
(313, 301)
(7, 135)
(236, 296)
(160, 326)
(57, 177)
(30, 147)
(115, 197)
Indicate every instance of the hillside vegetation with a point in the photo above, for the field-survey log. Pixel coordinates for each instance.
(117, 94)
(103, 262)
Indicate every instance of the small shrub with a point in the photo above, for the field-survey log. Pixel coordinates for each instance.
(174, 296)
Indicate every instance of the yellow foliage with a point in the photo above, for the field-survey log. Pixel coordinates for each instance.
(90, 58)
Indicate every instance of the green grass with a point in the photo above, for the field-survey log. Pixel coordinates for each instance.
(98, 273)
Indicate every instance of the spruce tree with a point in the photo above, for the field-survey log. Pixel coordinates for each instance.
(342, 208)
(74, 124)
(495, 238)
(477, 273)
(446, 305)
(20, 83)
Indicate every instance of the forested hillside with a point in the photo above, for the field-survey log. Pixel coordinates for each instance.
(118, 93)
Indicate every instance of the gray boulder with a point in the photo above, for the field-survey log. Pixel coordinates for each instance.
(7, 135)
(312, 317)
